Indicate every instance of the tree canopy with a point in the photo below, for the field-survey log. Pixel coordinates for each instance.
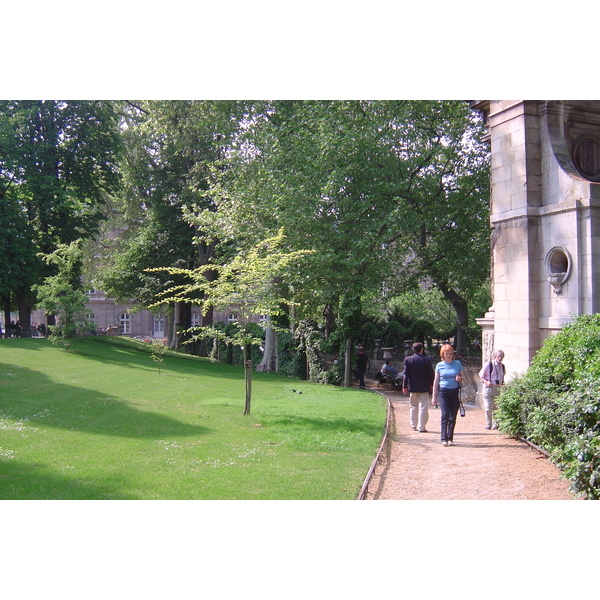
(382, 193)
(380, 190)
(58, 161)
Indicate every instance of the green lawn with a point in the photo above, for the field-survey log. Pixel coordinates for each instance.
(100, 422)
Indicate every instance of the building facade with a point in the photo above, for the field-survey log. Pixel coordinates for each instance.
(545, 221)
(120, 318)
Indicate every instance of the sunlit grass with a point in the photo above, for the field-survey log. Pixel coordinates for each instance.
(100, 422)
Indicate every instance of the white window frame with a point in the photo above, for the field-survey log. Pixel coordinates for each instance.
(158, 326)
(125, 323)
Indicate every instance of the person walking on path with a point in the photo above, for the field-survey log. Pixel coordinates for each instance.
(418, 382)
(446, 387)
(492, 375)
(362, 362)
(490, 465)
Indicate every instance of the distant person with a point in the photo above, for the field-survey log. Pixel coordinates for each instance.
(446, 387)
(362, 363)
(492, 376)
(418, 382)
(389, 371)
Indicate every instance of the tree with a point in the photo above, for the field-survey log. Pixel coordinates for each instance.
(61, 160)
(248, 282)
(171, 148)
(379, 190)
(61, 294)
(17, 252)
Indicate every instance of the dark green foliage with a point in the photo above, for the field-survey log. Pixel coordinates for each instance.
(291, 360)
(368, 333)
(232, 354)
(394, 334)
(556, 403)
(58, 163)
(322, 367)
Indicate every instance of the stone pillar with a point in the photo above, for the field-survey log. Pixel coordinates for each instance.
(515, 198)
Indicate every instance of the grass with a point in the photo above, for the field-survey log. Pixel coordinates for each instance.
(99, 422)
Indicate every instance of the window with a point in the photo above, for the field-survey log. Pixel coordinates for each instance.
(195, 319)
(232, 318)
(159, 326)
(125, 323)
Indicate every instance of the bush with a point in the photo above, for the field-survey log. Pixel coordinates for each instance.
(556, 403)
(291, 361)
(315, 348)
(394, 334)
(230, 353)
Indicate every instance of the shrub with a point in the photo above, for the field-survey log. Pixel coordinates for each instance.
(291, 361)
(556, 403)
(230, 353)
(394, 334)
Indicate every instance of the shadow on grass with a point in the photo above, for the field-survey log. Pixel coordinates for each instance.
(124, 355)
(27, 343)
(19, 481)
(333, 425)
(75, 408)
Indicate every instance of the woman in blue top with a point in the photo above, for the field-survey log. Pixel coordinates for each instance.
(448, 375)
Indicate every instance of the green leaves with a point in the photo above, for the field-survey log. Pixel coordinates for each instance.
(61, 295)
(370, 186)
(556, 403)
(248, 281)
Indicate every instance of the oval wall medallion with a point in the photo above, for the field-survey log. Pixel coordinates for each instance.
(558, 267)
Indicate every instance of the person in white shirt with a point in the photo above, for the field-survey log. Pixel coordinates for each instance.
(492, 375)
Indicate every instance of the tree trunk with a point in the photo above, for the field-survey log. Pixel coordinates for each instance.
(6, 308)
(269, 360)
(462, 320)
(462, 315)
(207, 320)
(183, 321)
(24, 314)
(248, 378)
(329, 319)
(348, 363)
(170, 326)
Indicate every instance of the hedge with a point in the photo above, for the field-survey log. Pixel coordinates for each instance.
(556, 403)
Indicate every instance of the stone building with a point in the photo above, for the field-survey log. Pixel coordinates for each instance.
(106, 312)
(545, 221)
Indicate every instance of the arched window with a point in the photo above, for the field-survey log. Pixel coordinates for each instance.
(125, 323)
(232, 318)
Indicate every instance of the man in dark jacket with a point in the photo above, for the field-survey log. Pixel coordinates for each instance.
(362, 362)
(418, 381)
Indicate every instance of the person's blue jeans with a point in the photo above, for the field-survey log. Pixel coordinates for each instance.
(449, 407)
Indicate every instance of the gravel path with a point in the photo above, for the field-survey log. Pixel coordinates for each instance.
(482, 465)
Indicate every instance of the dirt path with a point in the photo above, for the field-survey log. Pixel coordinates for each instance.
(483, 464)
